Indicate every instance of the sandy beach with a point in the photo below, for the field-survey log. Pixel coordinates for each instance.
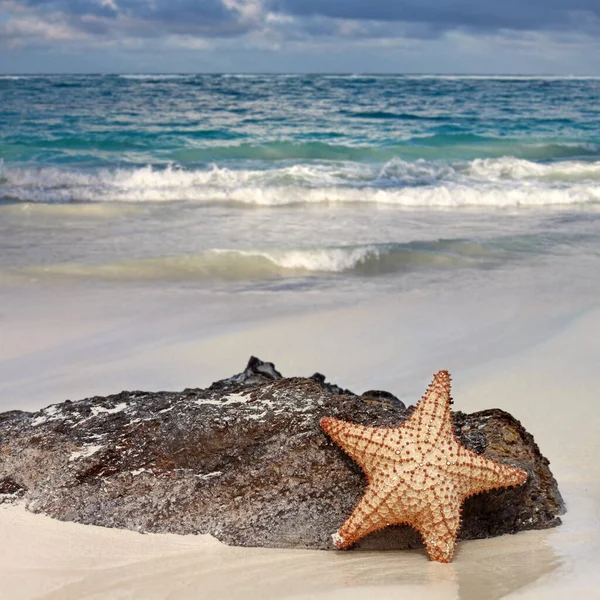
(546, 379)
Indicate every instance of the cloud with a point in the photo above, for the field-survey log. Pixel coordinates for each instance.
(376, 18)
(118, 19)
(24, 29)
(443, 15)
(239, 26)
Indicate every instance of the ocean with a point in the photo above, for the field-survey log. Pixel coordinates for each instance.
(299, 179)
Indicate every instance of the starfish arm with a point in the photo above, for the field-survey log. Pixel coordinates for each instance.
(438, 526)
(482, 474)
(432, 417)
(363, 444)
(372, 513)
(418, 473)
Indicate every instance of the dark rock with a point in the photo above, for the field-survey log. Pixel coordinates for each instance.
(332, 388)
(13, 415)
(255, 373)
(380, 396)
(10, 490)
(9, 486)
(244, 460)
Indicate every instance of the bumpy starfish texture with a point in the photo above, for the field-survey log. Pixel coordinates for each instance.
(417, 473)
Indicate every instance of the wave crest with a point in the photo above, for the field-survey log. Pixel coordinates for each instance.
(366, 260)
(502, 182)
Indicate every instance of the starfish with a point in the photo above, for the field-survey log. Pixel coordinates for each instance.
(418, 473)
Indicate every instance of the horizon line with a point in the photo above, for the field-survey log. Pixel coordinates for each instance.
(300, 73)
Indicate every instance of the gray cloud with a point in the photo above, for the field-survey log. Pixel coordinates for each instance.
(211, 17)
(143, 18)
(72, 7)
(57, 21)
(535, 15)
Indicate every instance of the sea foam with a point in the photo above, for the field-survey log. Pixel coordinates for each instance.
(502, 182)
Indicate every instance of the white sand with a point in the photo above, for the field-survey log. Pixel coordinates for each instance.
(546, 377)
(43, 558)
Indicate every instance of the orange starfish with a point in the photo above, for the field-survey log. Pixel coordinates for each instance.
(418, 473)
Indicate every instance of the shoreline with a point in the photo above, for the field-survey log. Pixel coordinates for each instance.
(99, 340)
(166, 565)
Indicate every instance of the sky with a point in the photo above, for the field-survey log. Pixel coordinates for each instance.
(344, 36)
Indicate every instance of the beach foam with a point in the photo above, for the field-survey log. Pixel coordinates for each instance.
(503, 182)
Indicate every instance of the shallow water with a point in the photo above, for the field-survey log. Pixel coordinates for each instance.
(369, 185)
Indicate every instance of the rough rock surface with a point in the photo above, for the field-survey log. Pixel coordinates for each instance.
(244, 460)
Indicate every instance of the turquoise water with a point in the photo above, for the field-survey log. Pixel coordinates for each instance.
(250, 124)
(295, 178)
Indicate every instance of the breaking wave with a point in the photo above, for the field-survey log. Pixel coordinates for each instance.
(502, 182)
(238, 265)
